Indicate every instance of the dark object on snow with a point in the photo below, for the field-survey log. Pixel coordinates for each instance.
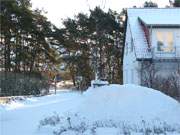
(98, 83)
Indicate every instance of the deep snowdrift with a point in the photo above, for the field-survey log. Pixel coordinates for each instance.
(107, 105)
(119, 110)
(129, 103)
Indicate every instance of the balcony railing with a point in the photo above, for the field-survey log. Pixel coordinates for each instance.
(174, 54)
(153, 53)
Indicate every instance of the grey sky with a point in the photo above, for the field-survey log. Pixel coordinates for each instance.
(60, 9)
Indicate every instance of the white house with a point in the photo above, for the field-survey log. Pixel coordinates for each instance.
(152, 36)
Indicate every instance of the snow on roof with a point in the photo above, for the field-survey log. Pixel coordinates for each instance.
(150, 16)
(168, 17)
(162, 21)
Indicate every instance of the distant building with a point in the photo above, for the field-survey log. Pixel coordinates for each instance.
(152, 38)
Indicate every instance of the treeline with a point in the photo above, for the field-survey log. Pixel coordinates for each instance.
(25, 49)
(92, 46)
(89, 45)
(176, 3)
(24, 38)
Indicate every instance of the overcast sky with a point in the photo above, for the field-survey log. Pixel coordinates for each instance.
(61, 9)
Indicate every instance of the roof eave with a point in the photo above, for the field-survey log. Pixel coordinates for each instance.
(162, 26)
(159, 25)
(143, 59)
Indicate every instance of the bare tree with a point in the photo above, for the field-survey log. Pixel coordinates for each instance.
(148, 73)
(151, 77)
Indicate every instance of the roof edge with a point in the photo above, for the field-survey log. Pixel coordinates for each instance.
(159, 25)
(154, 8)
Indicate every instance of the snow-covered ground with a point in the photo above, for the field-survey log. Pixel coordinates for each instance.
(107, 110)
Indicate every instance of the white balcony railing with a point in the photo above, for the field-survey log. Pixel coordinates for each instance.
(153, 53)
(174, 54)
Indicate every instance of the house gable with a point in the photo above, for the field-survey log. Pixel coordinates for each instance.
(141, 34)
(143, 20)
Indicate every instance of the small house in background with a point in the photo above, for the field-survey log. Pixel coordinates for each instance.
(152, 45)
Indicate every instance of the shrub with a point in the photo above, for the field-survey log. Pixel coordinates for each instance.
(170, 85)
(14, 84)
(167, 83)
(76, 124)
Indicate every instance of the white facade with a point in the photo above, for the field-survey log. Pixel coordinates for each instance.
(130, 65)
(162, 40)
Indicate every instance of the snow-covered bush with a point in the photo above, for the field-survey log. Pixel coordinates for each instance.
(76, 125)
(52, 120)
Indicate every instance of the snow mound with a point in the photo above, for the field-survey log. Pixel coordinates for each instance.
(129, 103)
(1, 108)
(1, 111)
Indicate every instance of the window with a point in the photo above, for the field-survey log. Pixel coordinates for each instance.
(165, 41)
(131, 45)
(126, 48)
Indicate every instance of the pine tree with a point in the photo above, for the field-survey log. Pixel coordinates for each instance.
(25, 46)
(92, 44)
(176, 3)
(148, 4)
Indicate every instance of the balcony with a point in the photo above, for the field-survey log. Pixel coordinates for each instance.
(166, 55)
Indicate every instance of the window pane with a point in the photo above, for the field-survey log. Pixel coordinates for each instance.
(164, 41)
(169, 41)
(131, 45)
(160, 43)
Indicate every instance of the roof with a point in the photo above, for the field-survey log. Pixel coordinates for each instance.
(150, 16)
(162, 17)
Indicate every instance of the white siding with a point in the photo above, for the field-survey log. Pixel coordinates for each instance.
(132, 75)
(130, 65)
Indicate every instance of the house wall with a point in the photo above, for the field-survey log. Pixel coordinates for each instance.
(166, 68)
(170, 61)
(130, 64)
